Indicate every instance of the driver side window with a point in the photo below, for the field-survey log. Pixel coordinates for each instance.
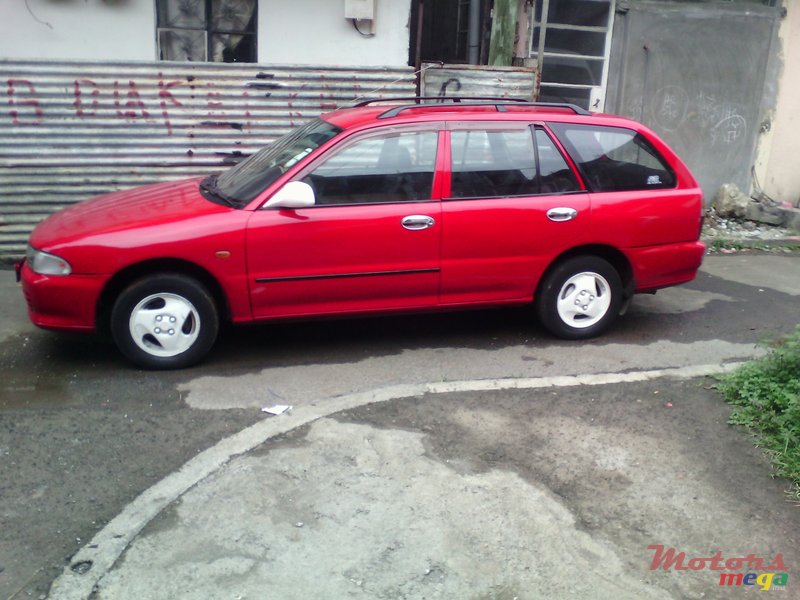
(395, 167)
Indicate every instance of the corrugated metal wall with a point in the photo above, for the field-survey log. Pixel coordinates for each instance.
(71, 130)
(473, 80)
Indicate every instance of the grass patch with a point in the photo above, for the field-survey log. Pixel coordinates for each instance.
(743, 245)
(726, 244)
(765, 394)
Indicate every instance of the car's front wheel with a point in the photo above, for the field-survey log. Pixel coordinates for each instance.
(579, 298)
(165, 321)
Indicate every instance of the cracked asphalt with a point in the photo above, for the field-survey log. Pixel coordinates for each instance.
(547, 492)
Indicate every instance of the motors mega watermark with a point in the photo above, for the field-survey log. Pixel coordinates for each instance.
(750, 570)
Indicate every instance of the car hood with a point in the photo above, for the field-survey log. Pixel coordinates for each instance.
(158, 204)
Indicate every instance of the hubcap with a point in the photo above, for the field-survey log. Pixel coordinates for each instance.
(164, 324)
(583, 300)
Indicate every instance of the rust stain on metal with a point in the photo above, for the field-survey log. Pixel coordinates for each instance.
(73, 130)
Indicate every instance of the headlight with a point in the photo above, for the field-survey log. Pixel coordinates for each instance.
(46, 264)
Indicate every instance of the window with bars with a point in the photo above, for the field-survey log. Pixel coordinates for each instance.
(571, 40)
(207, 30)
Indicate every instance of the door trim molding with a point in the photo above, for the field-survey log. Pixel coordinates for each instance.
(344, 275)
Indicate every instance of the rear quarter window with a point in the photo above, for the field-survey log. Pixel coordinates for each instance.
(614, 158)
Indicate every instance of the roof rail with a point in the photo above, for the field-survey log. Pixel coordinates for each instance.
(500, 105)
(440, 99)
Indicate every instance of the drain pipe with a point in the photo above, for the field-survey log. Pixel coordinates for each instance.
(474, 32)
(418, 48)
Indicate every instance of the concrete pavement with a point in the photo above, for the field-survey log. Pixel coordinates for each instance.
(519, 471)
(546, 492)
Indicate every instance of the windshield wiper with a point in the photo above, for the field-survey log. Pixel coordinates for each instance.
(209, 185)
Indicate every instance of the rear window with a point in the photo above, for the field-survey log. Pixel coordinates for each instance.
(614, 158)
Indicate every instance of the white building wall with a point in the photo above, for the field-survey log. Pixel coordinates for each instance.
(782, 179)
(315, 32)
(303, 32)
(78, 29)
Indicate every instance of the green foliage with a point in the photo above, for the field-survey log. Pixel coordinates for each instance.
(766, 398)
(745, 245)
(725, 244)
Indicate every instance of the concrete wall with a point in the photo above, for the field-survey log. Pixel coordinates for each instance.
(699, 74)
(316, 32)
(778, 165)
(78, 29)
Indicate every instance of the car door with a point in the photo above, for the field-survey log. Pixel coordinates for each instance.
(514, 203)
(371, 242)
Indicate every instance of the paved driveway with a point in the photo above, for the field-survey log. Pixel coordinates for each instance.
(452, 456)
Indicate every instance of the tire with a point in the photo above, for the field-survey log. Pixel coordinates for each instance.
(579, 298)
(164, 321)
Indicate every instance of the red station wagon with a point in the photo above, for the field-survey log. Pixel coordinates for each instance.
(388, 206)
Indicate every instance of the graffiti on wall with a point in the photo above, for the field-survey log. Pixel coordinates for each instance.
(719, 121)
(133, 101)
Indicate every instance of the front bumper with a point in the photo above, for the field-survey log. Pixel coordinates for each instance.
(61, 303)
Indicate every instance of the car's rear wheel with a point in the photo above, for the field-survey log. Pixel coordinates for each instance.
(579, 298)
(165, 321)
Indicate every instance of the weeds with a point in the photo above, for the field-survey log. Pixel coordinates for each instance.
(725, 244)
(765, 394)
(745, 245)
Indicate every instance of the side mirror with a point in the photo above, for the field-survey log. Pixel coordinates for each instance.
(295, 194)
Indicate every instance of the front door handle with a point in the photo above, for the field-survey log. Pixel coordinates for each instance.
(417, 222)
(562, 213)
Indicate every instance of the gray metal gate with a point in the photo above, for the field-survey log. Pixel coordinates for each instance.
(701, 76)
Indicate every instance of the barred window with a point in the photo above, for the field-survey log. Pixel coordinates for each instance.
(207, 30)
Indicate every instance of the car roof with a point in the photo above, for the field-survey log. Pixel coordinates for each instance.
(391, 111)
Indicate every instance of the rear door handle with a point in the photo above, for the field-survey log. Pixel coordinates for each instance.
(562, 213)
(417, 222)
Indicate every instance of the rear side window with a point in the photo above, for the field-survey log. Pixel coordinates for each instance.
(497, 163)
(556, 176)
(614, 158)
(490, 164)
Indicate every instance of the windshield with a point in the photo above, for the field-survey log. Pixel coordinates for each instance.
(253, 175)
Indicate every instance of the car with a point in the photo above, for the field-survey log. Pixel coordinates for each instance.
(390, 205)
